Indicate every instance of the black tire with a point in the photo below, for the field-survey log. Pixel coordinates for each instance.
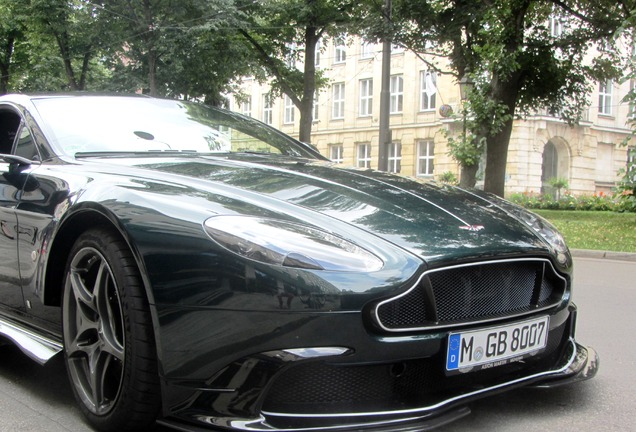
(109, 347)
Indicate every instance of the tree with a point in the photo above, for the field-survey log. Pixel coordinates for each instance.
(532, 67)
(186, 48)
(11, 30)
(146, 29)
(442, 34)
(627, 187)
(518, 63)
(208, 58)
(75, 26)
(47, 46)
(284, 32)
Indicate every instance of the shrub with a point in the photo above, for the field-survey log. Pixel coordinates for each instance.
(448, 177)
(596, 202)
(627, 201)
(558, 184)
(626, 191)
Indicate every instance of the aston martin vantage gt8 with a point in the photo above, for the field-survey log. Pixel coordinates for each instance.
(197, 268)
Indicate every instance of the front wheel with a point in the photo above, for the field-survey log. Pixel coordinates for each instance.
(109, 346)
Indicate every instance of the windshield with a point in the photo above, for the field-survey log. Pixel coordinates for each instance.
(98, 124)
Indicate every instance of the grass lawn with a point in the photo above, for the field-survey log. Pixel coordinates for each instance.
(597, 230)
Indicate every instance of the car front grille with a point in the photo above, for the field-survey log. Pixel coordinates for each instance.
(474, 292)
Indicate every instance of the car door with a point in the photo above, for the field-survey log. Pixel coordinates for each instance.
(43, 194)
(10, 286)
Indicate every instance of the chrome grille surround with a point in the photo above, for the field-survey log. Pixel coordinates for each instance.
(473, 293)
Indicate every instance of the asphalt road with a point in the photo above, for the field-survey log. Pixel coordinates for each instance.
(35, 398)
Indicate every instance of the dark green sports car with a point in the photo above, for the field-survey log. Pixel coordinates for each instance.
(198, 268)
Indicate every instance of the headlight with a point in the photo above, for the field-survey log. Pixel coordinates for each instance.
(289, 244)
(545, 229)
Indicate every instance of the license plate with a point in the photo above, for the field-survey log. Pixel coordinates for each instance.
(495, 346)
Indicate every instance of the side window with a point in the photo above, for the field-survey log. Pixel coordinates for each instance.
(9, 124)
(25, 146)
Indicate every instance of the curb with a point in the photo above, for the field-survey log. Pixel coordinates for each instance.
(618, 256)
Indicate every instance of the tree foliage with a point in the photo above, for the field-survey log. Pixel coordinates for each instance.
(12, 29)
(200, 49)
(285, 33)
(184, 48)
(519, 63)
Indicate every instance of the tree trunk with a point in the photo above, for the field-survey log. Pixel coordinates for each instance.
(63, 44)
(5, 65)
(496, 160)
(306, 107)
(152, 73)
(152, 56)
(506, 92)
(468, 175)
(85, 65)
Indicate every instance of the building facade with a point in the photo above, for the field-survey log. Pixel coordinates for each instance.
(424, 108)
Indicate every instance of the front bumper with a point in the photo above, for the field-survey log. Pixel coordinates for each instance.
(576, 363)
(584, 366)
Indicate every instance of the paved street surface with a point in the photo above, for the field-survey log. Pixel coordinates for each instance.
(35, 398)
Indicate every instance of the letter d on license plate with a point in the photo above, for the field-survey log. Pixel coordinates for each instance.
(494, 346)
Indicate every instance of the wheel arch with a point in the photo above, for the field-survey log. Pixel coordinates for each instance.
(89, 216)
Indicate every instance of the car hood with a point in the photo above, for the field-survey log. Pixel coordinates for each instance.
(434, 222)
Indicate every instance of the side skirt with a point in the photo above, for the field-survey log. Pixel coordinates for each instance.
(39, 348)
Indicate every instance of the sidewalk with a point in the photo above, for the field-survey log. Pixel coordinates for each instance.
(619, 256)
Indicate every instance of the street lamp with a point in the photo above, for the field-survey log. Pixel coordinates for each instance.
(466, 85)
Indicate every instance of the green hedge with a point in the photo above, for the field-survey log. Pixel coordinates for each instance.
(619, 202)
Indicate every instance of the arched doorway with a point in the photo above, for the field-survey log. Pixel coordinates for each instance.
(556, 165)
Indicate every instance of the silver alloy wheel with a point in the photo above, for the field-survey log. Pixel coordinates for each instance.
(94, 331)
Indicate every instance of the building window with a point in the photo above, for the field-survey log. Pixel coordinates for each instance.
(605, 170)
(631, 164)
(367, 50)
(556, 25)
(428, 90)
(366, 97)
(267, 109)
(335, 153)
(397, 94)
(246, 107)
(549, 167)
(340, 50)
(316, 108)
(425, 158)
(395, 157)
(338, 100)
(632, 105)
(557, 22)
(290, 109)
(291, 54)
(605, 97)
(363, 156)
(317, 53)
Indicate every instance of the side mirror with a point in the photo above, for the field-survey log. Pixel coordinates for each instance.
(16, 160)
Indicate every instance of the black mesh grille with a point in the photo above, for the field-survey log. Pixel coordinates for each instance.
(407, 311)
(473, 293)
(316, 387)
